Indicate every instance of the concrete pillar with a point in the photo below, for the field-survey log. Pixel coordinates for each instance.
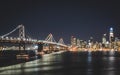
(1, 46)
(22, 47)
(40, 47)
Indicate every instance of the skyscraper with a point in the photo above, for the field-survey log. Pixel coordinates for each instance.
(111, 35)
(104, 39)
(91, 39)
(78, 42)
(73, 41)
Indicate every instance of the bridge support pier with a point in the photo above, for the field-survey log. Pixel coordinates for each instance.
(1, 46)
(22, 47)
(40, 47)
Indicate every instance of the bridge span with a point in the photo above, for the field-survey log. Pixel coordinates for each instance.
(47, 45)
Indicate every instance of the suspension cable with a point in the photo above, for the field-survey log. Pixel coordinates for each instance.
(11, 31)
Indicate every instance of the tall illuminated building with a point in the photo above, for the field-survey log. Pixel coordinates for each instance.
(111, 35)
(78, 42)
(91, 39)
(73, 41)
(104, 39)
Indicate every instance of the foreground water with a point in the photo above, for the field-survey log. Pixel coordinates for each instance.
(68, 63)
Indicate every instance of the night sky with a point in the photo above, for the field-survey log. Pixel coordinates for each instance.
(61, 18)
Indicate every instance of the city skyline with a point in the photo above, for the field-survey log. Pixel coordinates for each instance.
(59, 37)
(61, 18)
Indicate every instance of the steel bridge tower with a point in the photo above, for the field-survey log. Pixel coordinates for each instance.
(21, 32)
(22, 37)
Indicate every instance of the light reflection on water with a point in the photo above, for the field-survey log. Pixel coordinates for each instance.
(67, 63)
(44, 64)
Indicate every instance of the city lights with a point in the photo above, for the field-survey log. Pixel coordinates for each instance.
(111, 44)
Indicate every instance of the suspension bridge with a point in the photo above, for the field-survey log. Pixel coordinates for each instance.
(22, 40)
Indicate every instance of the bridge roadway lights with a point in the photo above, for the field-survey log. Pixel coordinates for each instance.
(54, 48)
(63, 48)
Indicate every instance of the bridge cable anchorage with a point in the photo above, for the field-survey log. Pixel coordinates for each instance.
(50, 38)
(61, 41)
(21, 32)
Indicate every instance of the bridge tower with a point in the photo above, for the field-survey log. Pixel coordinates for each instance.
(22, 37)
(50, 38)
(62, 42)
(21, 32)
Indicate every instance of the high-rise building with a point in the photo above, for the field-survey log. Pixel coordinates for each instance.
(117, 39)
(91, 39)
(73, 41)
(78, 42)
(104, 39)
(111, 35)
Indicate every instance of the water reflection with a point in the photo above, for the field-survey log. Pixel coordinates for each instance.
(89, 64)
(111, 53)
(45, 64)
(72, 63)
